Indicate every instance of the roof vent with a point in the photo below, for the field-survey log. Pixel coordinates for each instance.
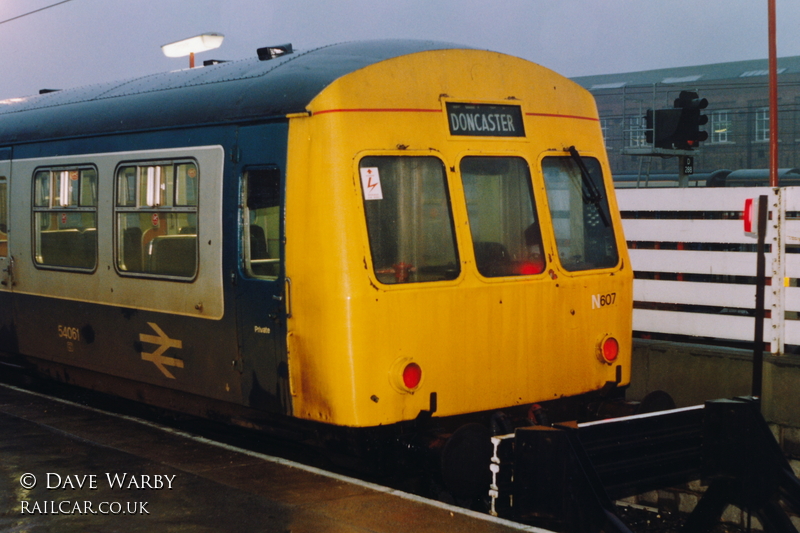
(753, 73)
(614, 85)
(684, 79)
(212, 62)
(271, 52)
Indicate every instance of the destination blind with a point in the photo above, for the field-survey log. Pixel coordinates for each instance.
(485, 120)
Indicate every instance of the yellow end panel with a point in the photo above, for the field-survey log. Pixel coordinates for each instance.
(482, 343)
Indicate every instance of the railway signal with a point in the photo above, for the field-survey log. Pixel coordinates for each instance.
(688, 134)
(677, 128)
(661, 126)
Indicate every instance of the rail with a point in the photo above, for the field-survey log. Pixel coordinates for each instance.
(695, 268)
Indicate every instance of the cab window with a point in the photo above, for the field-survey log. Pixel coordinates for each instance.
(156, 218)
(579, 208)
(409, 221)
(65, 217)
(261, 220)
(505, 230)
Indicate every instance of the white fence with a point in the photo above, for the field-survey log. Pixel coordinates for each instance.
(695, 267)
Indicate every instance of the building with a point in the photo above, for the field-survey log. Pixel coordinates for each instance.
(738, 115)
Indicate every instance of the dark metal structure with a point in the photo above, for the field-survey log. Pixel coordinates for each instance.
(566, 477)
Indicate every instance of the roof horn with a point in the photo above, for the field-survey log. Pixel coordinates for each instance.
(271, 52)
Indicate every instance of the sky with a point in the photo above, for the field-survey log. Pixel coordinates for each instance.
(81, 42)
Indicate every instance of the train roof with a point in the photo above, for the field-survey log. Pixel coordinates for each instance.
(226, 92)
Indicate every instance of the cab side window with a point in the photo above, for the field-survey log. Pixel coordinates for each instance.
(65, 217)
(156, 218)
(261, 219)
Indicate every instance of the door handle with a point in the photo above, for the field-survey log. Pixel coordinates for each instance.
(8, 279)
(288, 283)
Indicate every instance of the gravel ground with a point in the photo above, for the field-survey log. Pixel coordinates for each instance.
(645, 521)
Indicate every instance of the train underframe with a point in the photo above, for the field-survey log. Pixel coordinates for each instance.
(440, 457)
(558, 464)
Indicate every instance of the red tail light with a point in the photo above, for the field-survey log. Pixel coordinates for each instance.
(609, 349)
(412, 375)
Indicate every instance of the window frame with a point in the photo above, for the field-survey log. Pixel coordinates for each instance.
(606, 126)
(552, 220)
(146, 201)
(719, 117)
(761, 124)
(56, 209)
(448, 200)
(246, 235)
(635, 132)
(525, 264)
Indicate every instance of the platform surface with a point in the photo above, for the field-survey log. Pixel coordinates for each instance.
(66, 468)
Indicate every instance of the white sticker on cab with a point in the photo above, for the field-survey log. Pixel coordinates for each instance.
(371, 183)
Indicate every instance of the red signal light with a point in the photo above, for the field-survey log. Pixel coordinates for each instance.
(750, 217)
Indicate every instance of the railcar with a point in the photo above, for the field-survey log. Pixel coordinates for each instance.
(358, 236)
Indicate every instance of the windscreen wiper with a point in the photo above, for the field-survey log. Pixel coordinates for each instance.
(591, 194)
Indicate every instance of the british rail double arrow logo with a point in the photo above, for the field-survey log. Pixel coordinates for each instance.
(164, 343)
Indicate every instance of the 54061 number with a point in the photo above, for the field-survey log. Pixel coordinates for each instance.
(71, 334)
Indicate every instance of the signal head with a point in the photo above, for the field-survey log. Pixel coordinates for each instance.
(687, 135)
(690, 100)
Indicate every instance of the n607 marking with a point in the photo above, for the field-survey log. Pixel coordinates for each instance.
(603, 300)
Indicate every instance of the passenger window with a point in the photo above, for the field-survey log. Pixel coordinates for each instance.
(261, 222)
(156, 217)
(65, 217)
(409, 221)
(502, 218)
(579, 209)
(3, 217)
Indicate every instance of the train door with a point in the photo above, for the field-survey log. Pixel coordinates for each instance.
(261, 306)
(7, 336)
